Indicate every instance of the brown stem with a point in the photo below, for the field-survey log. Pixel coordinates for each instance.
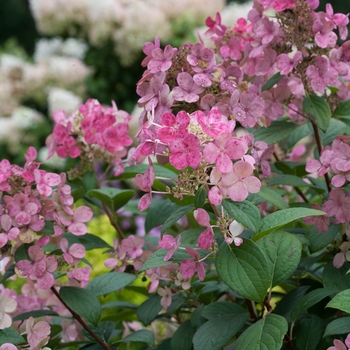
(289, 341)
(319, 146)
(112, 221)
(251, 310)
(81, 321)
(267, 305)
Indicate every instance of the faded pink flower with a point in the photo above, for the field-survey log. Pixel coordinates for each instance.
(188, 267)
(338, 205)
(145, 182)
(7, 305)
(168, 242)
(37, 333)
(205, 239)
(166, 295)
(74, 253)
(187, 90)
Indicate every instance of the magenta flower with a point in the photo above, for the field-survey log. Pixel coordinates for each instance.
(5, 172)
(325, 37)
(40, 267)
(21, 208)
(145, 182)
(338, 205)
(185, 152)
(44, 181)
(214, 123)
(286, 64)
(74, 253)
(169, 243)
(223, 150)
(205, 239)
(187, 90)
(161, 60)
(339, 20)
(174, 127)
(188, 267)
(215, 26)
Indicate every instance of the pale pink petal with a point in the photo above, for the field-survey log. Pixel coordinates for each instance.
(187, 268)
(83, 214)
(202, 217)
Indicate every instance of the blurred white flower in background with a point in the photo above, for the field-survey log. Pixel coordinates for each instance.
(61, 99)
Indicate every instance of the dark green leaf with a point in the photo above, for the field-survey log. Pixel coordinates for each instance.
(336, 278)
(310, 299)
(200, 197)
(343, 110)
(341, 301)
(160, 171)
(309, 333)
(277, 131)
(90, 180)
(89, 241)
(267, 333)
(48, 228)
(143, 335)
(176, 216)
(182, 338)
(114, 198)
(282, 217)
(214, 334)
(299, 133)
(119, 304)
(336, 127)
(288, 180)
(21, 252)
(35, 314)
(243, 269)
(283, 251)
(8, 273)
(338, 326)
(9, 335)
(221, 308)
(109, 282)
(245, 213)
(272, 81)
(165, 207)
(149, 309)
(318, 109)
(319, 240)
(83, 302)
(271, 196)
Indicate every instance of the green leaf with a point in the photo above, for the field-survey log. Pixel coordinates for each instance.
(214, 334)
(309, 300)
(90, 181)
(319, 240)
(35, 314)
(343, 110)
(114, 198)
(221, 308)
(272, 81)
(336, 278)
(336, 127)
(319, 110)
(9, 335)
(338, 326)
(308, 333)
(119, 304)
(288, 180)
(283, 251)
(271, 196)
(48, 228)
(182, 338)
(21, 252)
(89, 241)
(143, 335)
(8, 273)
(299, 133)
(282, 217)
(109, 282)
(160, 171)
(176, 216)
(165, 207)
(157, 258)
(267, 333)
(244, 212)
(341, 301)
(243, 269)
(83, 302)
(149, 309)
(277, 131)
(200, 197)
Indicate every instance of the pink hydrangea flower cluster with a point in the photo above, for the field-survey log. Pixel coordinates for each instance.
(30, 199)
(93, 133)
